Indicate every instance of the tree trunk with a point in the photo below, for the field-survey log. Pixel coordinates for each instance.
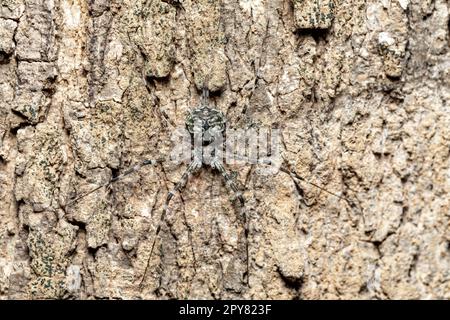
(359, 91)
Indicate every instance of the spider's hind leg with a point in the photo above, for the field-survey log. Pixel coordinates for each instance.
(231, 183)
(193, 166)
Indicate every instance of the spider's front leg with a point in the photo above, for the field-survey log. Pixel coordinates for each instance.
(135, 168)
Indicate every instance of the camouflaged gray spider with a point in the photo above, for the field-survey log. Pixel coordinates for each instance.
(206, 126)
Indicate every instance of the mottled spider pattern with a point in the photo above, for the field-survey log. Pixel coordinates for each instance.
(209, 120)
(206, 126)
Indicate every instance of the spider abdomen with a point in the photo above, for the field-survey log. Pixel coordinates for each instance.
(206, 121)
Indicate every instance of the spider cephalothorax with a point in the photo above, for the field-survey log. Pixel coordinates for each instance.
(208, 122)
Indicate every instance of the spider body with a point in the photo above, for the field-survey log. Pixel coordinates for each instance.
(210, 123)
(207, 127)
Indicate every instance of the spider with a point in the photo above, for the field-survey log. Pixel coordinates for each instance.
(206, 126)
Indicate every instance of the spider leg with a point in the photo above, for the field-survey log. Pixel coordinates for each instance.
(284, 167)
(232, 185)
(135, 168)
(193, 166)
(228, 180)
(295, 176)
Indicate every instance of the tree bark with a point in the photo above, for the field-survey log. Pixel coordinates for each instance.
(90, 88)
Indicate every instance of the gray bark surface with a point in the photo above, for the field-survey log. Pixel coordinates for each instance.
(90, 88)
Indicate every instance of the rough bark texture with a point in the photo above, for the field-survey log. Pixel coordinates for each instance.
(89, 88)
